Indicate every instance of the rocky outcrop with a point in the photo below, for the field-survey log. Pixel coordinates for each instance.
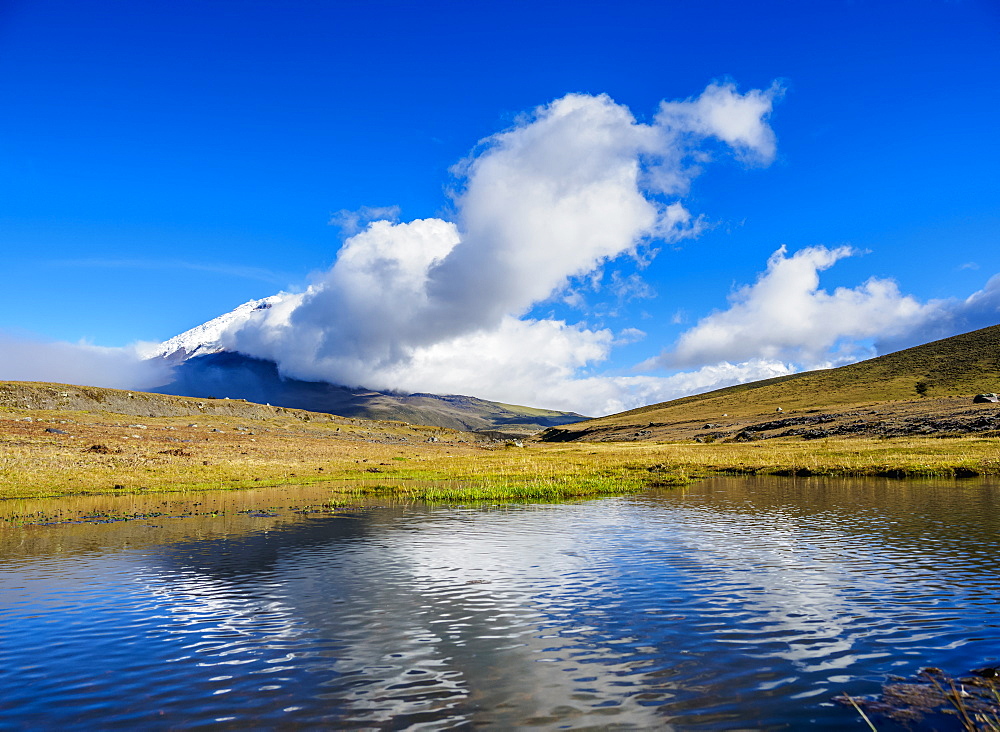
(903, 427)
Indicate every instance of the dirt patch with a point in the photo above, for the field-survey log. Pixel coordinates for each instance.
(104, 450)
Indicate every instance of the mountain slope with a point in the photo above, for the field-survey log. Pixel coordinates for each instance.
(206, 338)
(226, 374)
(949, 371)
(204, 368)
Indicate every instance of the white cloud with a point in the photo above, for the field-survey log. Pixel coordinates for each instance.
(434, 305)
(630, 287)
(618, 393)
(740, 120)
(628, 336)
(787, 320)
(353, 222)
(533, 362)
(786, 316)
(944, 318)
(78, 363)
(539, 362)
(541, 208)
(547, 201)
(979, 310)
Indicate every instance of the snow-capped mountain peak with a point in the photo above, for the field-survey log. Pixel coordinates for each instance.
(205, 338)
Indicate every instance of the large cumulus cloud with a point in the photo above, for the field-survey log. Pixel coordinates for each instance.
(785, 315)
(786, 320)
(436, 305)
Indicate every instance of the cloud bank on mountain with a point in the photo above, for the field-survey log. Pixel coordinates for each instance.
(440, 306)
(437, 305)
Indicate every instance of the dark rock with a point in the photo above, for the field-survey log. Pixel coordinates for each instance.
(54, 431)
(793, 422)
(178, 452)
(793, 472)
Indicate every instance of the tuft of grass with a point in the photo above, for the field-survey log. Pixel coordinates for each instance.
(976, 707)
(860, 711)
(971, 719)
(505, 488)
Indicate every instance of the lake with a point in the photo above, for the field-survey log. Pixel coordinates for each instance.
(732, 604)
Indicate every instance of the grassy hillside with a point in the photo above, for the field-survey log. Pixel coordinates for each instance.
(947, 372)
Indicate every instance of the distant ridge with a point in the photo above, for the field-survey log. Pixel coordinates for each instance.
(203, 367)
(233, 375)
(949, 369)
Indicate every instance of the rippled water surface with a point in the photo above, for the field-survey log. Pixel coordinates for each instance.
(734, 604)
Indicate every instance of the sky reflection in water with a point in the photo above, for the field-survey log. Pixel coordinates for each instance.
(734, 603)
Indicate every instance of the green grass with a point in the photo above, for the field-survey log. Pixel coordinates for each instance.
(430, 486)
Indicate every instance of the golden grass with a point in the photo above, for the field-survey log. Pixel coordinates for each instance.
(170, 455)
(108, 455)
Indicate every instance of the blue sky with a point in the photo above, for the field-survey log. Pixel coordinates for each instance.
(162, 163)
